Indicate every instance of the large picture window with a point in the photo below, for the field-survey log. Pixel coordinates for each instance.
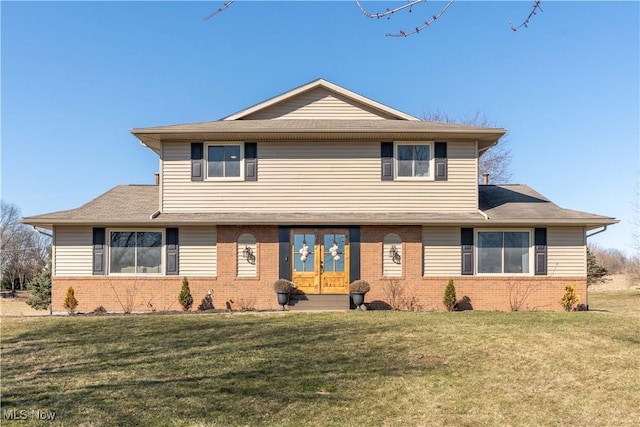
(414, 161)
(135, 252)
(504, 252)
(224, 161)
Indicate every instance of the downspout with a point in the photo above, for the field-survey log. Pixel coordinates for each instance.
(155, 214)
(598, 232)
(44, 233)
(486, 217)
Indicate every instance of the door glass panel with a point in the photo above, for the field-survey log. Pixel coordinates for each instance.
(334, 252)
(303, 256)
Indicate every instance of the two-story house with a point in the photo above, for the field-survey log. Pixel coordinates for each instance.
(321, 186)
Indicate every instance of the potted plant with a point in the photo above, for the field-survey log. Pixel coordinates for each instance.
(283, 288)
(357, 290)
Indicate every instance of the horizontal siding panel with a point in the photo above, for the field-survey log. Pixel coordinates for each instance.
(198, 251)
(73, 251)
(566, 251)
(317, 104)
(322, 176)
(441, 251)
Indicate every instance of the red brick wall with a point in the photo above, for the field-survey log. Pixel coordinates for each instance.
(140, 294)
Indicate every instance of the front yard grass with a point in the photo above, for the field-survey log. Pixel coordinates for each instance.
(371, 368)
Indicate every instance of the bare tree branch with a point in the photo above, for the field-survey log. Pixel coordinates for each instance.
(536, 6)
(220, 9)
(388, 12)
(409, 5)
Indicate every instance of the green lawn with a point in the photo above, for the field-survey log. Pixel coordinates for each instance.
(367, 368)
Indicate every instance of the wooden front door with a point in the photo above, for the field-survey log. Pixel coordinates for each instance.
(320, 261)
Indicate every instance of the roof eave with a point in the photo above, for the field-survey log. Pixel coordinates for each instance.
(589, 224)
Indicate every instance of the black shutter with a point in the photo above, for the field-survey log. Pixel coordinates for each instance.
(354, 254)
(441, 161)
(386, 156)
(466, 246)
(285, 253)
(197, 161)
(540, 251)
(173, 249)
(99, 240)
(250, 161)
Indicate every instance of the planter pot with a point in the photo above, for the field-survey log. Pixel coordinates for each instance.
(358, 299)
(283, 298)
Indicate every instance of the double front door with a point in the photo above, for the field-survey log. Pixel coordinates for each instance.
(320, 261)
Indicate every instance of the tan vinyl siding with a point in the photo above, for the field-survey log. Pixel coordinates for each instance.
(389, 267)
(441, 251)
(73, 254)
(198, 251)
(566, 251)
(319, 176)
(318, 104)
(244, 267)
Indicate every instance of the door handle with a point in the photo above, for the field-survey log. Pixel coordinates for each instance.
(321, 266)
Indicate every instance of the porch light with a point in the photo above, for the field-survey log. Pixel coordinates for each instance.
(247, 253)
(395, 256)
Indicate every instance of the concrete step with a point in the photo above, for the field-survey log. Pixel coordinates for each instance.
(319, 302)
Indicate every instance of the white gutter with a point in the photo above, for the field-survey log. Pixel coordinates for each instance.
(155, 214)
(44, 233)
(597, 232)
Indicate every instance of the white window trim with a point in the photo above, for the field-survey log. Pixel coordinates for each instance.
(208, 144)
(430, 177)
(504, 230)
(163, 261)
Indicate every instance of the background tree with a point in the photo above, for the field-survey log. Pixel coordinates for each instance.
(40, 287)
(496, 161)
(23, 251)
(595, 272)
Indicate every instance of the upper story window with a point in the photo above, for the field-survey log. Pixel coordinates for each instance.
(135, 252)
(224, 161)
(504, 252)
(414, 160)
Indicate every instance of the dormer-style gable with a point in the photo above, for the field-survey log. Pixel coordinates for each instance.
(320, 99)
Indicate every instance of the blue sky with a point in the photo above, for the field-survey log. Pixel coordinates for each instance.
(76, 76)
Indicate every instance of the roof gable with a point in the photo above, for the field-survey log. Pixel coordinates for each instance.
(319, 99)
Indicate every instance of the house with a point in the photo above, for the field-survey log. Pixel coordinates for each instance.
(321, 186)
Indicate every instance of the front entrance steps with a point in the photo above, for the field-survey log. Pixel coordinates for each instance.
(319, 302)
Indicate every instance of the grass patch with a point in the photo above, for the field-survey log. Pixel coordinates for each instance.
(372, 368)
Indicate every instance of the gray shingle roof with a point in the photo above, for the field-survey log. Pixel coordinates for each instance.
(516, 203)
(503, 204)
(123, 203)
